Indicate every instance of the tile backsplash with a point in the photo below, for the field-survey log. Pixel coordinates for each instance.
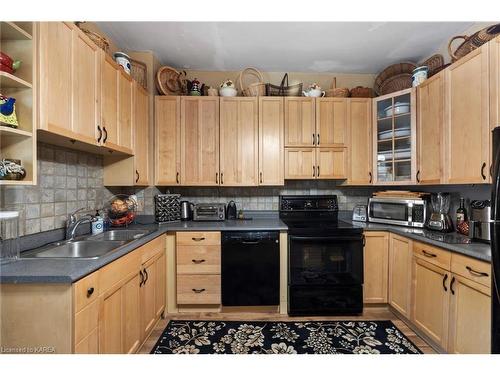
(69, 179)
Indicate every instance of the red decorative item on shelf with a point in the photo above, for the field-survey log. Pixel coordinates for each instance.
(463, 228)
(7, 64)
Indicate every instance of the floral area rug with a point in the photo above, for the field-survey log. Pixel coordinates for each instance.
(313, 337)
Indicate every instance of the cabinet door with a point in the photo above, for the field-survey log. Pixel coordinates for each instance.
(141, 135)
(239, 141)
(431, 300)
(400, 256)
(131, 328)
(86, 86)
(148, 301)
(376, 267)
(430, 106)
(300, 127)
(167, 140)
(360, 141)
(125, 119)
(331, 163)
(470, 317)
(109, 99)
(56, 76)
(111, 321)
(494, 53)
(331, 122)
(271, 138)
(467, 125)
(300, 163)
(161, 284)
(200, 141)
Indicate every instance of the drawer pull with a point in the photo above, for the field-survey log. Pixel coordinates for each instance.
(198, 290)
(476, 273)
(451, 285)
(197, 261)
(90, 291)
(444, 282)
(146, 275)
(428, 255)
(142, 278)
(198, 239)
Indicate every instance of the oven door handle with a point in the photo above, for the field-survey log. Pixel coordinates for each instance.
(321, 238)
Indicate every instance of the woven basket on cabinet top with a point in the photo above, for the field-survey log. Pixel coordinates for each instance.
(284, 89)
(139, 72)
(391, 71)
(396, 83)
(99, 40)
(253, 89)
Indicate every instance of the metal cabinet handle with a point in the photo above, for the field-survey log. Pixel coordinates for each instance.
(198, 290)
(100, 134)
(444, 282)
(198, 239)
(197, 261)
(90, 291)
(177, 178)
(317, 140)
(451, 285)
(216, 177)
(476, 273)
(418, 176)
(428, 255)
(317, 170)
(222, 178)
(364, 241)
(314, 139)
(482, 171)
(142, 278)
(147, 276)
(105, 134)
(371, 177)
(314, 171)
(261, 177)
(137, 178)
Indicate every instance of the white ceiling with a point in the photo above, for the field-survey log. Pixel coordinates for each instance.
(341, 47)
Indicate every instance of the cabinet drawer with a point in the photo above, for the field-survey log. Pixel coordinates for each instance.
(89, 345)
(86, 291)
(433, 255)
(203, 259)
(198, 289)
(86, 321)
(198, 238)
(471, 269)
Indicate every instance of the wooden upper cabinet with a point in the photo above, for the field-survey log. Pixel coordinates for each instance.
(360, 141)
(125, 113)
(56, 76)
(141, 135)
(300, 127)
(331, 163)
(300, 163)
(494, 53)
(376, 267)
(109, 99)
(200, 141)
(400, 262)
(431, 300)
(239, 141)
(331, 122)
(271, 141)
(430, 121)
(167, 140)
(86, 87)
(467, 123)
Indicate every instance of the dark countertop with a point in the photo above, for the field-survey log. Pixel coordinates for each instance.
(46, 270)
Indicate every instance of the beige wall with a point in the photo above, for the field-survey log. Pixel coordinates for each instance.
(323, 79)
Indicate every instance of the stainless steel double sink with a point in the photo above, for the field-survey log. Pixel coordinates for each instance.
(88, 247)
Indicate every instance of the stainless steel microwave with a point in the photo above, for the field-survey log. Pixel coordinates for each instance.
(398, 211)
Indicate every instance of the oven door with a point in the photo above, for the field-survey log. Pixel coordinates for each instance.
(330, 261)
(389, 212)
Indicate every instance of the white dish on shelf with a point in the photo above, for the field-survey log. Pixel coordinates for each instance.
(387, 134)
(399, 154)
(398, 108)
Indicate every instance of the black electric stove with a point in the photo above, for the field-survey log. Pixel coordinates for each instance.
(325, 258)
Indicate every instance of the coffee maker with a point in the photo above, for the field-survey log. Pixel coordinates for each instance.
(479, 225)
(439, 219)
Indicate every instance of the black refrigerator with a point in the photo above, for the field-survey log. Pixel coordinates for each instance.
(495, 244)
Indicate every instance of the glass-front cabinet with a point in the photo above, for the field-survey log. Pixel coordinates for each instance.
(394, 138)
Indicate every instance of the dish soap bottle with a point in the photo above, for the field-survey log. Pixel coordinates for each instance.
(461, 213)
(97, 224)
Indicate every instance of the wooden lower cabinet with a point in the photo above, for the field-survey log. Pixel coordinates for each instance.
(430, 308)
(376, 267)
(148, 299)
(400, 255)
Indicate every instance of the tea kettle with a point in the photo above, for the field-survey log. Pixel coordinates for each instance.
(187, 210)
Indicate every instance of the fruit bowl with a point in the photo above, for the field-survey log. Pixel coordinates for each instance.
(121, 210)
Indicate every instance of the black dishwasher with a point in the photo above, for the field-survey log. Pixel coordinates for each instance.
(250, 268)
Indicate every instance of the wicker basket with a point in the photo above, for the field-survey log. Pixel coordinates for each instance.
(396, 83)
(362, 92)
(170, 82)
(99, 40)
(139, 72)
(282, 90)
(434, 63)
(472, 42)
(253, 89)
(337, 92)
(390, 71)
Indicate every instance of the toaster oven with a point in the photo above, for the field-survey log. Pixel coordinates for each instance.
(209, 212)
(398, 211)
